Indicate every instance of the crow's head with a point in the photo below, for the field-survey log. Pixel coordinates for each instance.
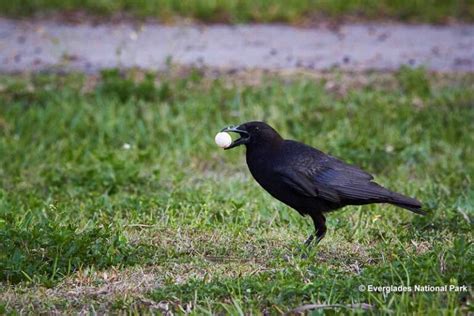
(253, 134)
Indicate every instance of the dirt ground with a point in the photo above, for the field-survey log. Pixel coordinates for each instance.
(36, 46)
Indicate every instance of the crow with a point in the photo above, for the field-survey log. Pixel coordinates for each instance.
(308, 180)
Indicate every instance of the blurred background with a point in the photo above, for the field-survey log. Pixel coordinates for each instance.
(260, 11)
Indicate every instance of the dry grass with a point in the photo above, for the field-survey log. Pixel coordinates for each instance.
(89, 290)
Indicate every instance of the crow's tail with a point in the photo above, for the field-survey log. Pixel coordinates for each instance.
(414, 209)
(365, 193)
(405, 202)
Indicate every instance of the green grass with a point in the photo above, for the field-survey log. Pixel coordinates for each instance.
(238, 11)
(171, 222)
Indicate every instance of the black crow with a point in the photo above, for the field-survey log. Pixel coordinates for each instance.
(308, 180)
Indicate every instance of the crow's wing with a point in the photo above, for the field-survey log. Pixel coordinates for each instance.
(303, 183)
(332, 180)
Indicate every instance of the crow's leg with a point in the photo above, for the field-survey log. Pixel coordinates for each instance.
(309, 240)
(320, 226)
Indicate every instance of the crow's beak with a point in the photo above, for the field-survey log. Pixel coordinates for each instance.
(244, 136)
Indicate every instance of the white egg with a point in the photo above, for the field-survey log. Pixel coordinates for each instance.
(223, 139)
